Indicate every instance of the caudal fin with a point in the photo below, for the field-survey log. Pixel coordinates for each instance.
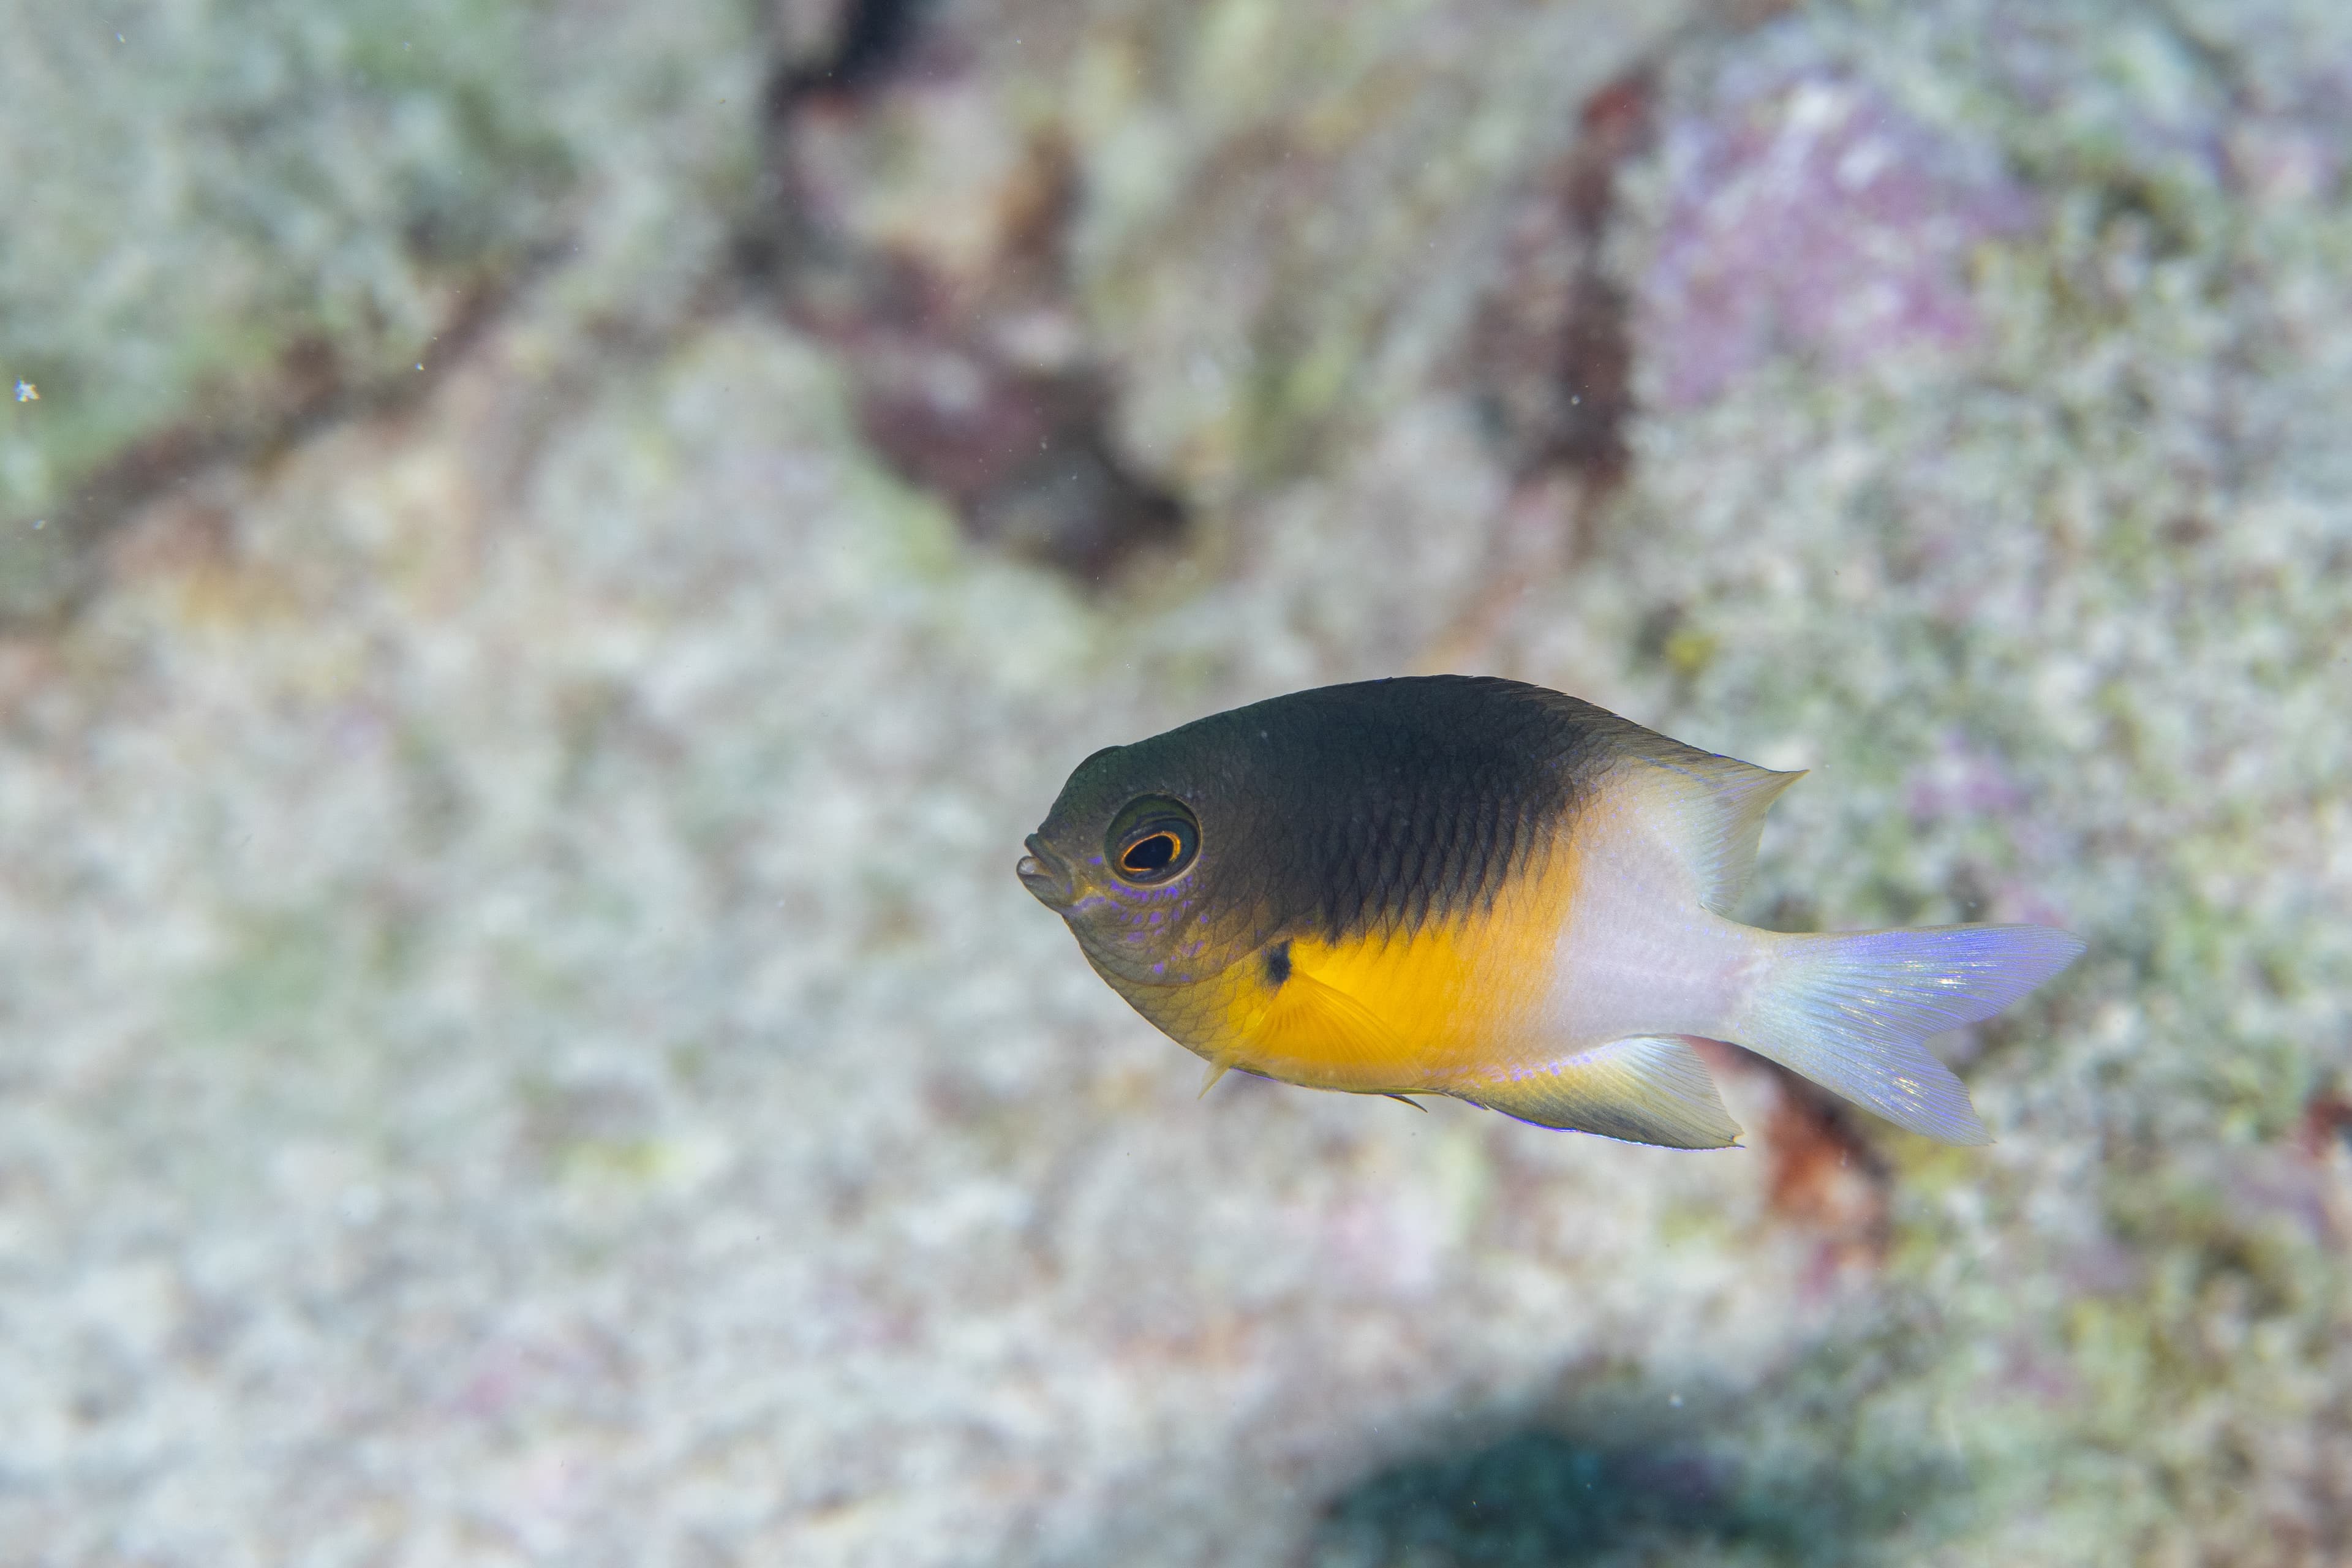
(1849, 1011)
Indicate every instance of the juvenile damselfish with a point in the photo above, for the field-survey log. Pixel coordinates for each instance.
(1467, 886)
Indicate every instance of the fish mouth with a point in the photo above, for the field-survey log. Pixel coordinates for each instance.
(1044, 874)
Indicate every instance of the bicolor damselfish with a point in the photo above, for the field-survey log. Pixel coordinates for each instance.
(1471, 887)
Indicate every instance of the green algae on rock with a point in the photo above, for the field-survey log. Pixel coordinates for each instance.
(230, 217)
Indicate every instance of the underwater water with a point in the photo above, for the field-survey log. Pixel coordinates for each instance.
(550, 558)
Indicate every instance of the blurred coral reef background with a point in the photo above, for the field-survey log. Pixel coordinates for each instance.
(549, 554)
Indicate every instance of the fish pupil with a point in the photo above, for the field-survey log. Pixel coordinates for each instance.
(1150, 854)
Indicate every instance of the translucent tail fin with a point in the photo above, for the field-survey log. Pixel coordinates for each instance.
(1849, 1011)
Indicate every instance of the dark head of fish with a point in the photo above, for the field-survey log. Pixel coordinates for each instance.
(1169, 923)
(1327, 813)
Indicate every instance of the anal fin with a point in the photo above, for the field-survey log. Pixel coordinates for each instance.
(1649, 1088)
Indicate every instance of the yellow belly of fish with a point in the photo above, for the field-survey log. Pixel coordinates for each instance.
(1427, 1010)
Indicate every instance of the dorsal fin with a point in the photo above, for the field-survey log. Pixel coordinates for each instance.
(1651, 1089)
(1712, 811)
(1709, 808)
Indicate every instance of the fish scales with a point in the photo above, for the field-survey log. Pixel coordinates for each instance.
(1440, 816)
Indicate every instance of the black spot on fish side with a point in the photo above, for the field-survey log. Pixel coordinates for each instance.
(1278, 964)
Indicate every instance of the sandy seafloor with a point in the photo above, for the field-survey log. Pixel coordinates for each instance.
(525, 671)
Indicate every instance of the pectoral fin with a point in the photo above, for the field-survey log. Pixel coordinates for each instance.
(1313, 1022)
(1308, 1030)
(1646, 1089)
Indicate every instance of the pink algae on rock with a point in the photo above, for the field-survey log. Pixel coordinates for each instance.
(1807, 213)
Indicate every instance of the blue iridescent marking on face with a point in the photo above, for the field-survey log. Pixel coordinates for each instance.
(1158, 924)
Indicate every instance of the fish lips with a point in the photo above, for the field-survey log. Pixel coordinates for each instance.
(1047, 876)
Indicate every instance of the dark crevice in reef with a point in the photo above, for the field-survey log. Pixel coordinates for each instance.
(970, 377)
(870, 39)
(1827, 1176)
(2327, 1119)
(1550, 358)
(1551, 352)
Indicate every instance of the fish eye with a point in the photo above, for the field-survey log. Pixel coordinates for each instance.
(1151, 841)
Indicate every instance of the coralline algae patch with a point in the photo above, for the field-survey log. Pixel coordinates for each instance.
(1806, 213)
